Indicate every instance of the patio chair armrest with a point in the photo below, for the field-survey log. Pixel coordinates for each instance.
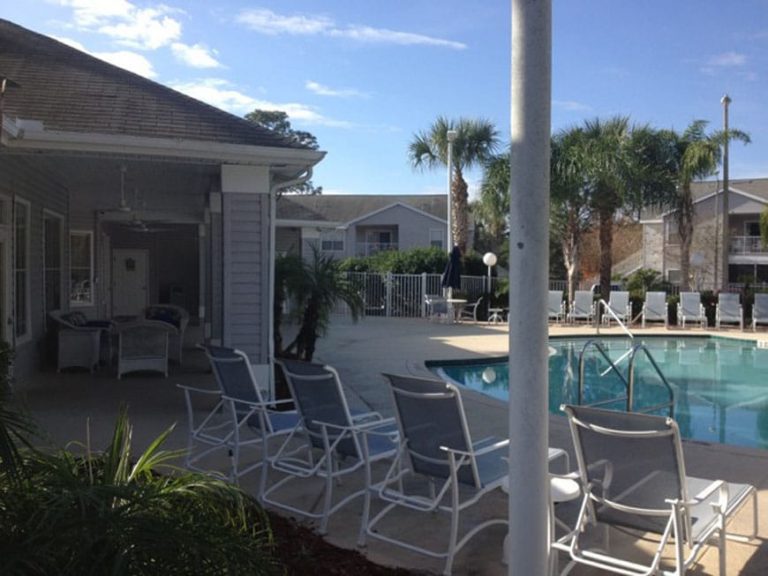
(366, 427)
(361, 417)
(719, 486)
(479, 452)
(266, 405)
(209, 391)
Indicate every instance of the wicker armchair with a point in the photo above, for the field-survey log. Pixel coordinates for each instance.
(178, 318)
(79, 340)
(143, 346)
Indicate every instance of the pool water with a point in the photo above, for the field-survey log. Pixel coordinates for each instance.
(719, 384)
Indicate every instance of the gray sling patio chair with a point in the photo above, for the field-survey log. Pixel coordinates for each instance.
(620, 306)
(690, 309)
(438, 468)
(729, 310)
(332, 440)
(582, 307)
(760, 310)
(633, 477)
(655, 308)
(238, 417)
(555, 306)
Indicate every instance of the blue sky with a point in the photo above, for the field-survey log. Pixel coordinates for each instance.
(365, 76)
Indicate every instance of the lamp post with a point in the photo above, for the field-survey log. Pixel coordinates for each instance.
(451, 136)
(489, 259)
(725, 101)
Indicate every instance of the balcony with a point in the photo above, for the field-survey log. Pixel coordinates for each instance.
(747, 245)
(370, 248)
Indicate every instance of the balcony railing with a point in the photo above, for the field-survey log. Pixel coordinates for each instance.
(747, 245)
(369, 248)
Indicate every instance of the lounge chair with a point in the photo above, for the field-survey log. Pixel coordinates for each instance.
(555, 306)
(582, 307)
(760, 310)
(655, 308)
(469, 312)
(729, 310)
(438, 467)
(237, 416)
(620, 306)
(633, 477)
(333, 441)
(690, 309)
(143, 346)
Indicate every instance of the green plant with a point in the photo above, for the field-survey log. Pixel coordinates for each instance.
(106, 513)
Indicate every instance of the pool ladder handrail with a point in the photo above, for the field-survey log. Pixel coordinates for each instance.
(629, 382)
(608, 310)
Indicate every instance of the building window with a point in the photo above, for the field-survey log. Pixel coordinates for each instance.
(332, 241)
(436, 238)
(81, 268)
(52, 229)
(21, 268)
(672, 234)
(674, 277)
(752, 228)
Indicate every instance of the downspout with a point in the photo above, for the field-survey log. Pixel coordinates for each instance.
(273, 255)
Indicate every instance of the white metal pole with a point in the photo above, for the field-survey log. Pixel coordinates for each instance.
(726, 231)
(451, 136)
(528, 266)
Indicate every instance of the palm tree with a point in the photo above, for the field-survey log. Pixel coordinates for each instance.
(570, 210)
(492, 207)
(317, 286)
(476, 141)
(696, 156)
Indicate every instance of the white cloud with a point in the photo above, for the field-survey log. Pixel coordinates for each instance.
(130, 61)
(196, 56)
(266, 21)
(727, 60)
(571, 106)
(322, 90)
(220, 93)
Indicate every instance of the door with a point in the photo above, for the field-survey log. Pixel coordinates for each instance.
(130, 274)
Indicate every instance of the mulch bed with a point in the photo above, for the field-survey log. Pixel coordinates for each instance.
(303, 552)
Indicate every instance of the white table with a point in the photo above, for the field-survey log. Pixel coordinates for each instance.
(455, 306)
(495, 315)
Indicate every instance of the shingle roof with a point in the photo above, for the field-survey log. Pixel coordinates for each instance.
(69, 90)
(344, 208)
(754, 186)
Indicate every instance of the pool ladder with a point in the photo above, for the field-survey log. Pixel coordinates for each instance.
(629, 380)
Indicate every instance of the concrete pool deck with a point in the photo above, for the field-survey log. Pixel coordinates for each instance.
(361, 352)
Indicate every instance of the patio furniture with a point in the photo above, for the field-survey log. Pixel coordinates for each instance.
(335, 441)
(437, 469)
(495, 315)
(178, 317)
(633, 477)
(655, 308)
(237, 416)
(555, 306)
(690, 309)
(79, 340)
(620, 306)
(437, 307)
(455, 308)
(760, 310)
(143, 346)
(729, 310)
(470, 312)
(582, 307)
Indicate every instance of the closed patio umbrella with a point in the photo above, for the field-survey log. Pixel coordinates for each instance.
(452, 273)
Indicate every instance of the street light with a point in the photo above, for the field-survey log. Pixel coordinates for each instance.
(451, 136)
(489, 259)
(725, 101)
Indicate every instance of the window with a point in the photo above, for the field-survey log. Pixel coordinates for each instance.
(52, 228)
(672, 234)
(332, 241)
(21, 268)
(751, 228)
(436, 237)
(81, 268)
(674, 277)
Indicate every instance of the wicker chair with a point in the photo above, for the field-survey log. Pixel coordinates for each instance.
(178, 317)
(79, 340)
(143, 346)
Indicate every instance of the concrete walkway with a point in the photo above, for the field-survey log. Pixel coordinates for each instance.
(361, 352)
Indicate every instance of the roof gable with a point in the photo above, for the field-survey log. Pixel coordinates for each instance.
(343, 208)
(71, 91)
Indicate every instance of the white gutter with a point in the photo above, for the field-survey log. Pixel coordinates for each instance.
(273, 253)
(32, 135)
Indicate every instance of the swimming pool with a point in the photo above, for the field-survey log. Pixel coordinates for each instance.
(720, 384)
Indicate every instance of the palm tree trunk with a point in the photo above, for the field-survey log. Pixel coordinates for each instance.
(459, 207)
(571, 259)
(685, 231)
(606, 246)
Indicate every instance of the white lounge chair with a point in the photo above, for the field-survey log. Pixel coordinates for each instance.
(334, 441)
(620, 306)
(236, 416)
(633, 477)
(760, 310)
(655, 308)
(555, 306)
(438, 468)
(729, 310)
(690, 309)
(582, 307)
